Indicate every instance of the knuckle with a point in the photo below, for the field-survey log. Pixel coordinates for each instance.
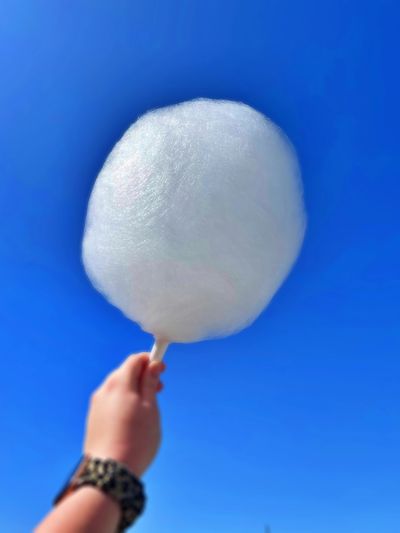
(139, 354)
(137, 358)
(130, 362)
(111, 382)
(133, 360)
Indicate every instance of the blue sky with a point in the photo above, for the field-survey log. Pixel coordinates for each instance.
(293, 423)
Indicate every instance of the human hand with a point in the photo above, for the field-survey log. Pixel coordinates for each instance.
(124, 421)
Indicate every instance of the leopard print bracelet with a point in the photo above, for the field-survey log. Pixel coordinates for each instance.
(115, 480)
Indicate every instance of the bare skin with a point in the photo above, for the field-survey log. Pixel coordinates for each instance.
(123, 424)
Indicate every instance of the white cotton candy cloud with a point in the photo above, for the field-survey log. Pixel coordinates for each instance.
(195, 219)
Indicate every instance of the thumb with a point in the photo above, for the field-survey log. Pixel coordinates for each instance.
(151, 380)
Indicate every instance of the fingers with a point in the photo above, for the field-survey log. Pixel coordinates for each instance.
(150, 383)
(132, 370)
(139, 375)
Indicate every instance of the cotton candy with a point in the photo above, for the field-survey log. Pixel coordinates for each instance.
(195, 219)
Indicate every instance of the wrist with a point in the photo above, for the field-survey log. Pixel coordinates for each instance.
(120, 455)
(87, 510)
(100, 503)
(114, 480)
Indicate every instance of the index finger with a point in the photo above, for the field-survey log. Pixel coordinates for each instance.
(132, 369)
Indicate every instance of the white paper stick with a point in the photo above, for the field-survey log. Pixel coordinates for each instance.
(159, 348)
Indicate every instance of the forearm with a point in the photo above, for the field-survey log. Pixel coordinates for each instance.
(122, 438)
(87, 510)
